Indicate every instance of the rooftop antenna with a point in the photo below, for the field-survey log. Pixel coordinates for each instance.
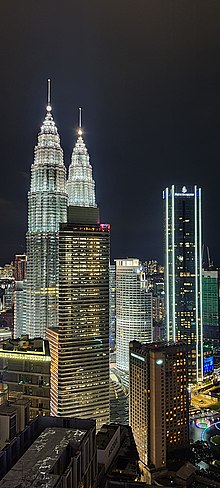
(80, 122)
(49, 95)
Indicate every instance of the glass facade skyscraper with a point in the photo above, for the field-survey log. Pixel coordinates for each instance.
(183, 272)
(210, 302)
(47, 207)
(134, 313)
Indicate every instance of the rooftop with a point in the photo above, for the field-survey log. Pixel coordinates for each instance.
(6, 409)
(104, 436)
(45, 460)
(34, 346)
(162, 346)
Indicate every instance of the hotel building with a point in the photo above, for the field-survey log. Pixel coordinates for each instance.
(158, 404)
(183, 272)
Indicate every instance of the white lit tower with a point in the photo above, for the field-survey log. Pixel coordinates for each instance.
(47, 207)
(183, 272)
(80, 184)
(80, 344)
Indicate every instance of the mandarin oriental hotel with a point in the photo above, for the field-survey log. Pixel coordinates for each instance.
(183, 272)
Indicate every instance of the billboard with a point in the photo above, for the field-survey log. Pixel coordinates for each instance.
(208, 364)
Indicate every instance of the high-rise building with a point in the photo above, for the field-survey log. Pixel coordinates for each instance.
(20, 272)
(80, 344)
(210, 306)
(155, 283)
(183, 272)
(25, 367)
(47, 207)
(112, 318)
(20, 267)
(19, 309)
(158, 402)
(133, 309)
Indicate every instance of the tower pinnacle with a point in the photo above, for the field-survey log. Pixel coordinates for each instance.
(80, 184)
(80, 122)
(49, 108)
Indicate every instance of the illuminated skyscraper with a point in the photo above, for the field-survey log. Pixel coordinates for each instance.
(47, 207)
(134, 315)
(20, 267)
(158, 401)
(112, 318)
(210, 305)
(183, 272)
(80, 344)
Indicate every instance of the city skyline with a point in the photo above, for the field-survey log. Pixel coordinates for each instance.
(150, 120)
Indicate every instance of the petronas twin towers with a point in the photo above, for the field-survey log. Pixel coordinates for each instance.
(66, 294)
(48, 200)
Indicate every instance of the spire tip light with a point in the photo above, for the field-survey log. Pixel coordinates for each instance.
(49, 108)
(80, 122)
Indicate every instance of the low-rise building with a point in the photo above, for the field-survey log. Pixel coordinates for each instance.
(51, 451)
(25, 366)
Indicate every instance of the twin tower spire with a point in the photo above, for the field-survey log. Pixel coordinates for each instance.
(80, 185)
(48, 200)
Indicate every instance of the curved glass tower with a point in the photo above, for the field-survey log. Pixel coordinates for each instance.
(47, 207)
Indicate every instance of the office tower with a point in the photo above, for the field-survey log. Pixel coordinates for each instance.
(20, 266)
(51, 452)
(112, 318)
(210, 306)
(155, 283)
(158, 405)
(183, 272)
(19, 309)
(20, 272)
(47, 207)
(133, 309)
(80, 344)
(25, 366)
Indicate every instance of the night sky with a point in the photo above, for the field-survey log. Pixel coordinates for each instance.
(147, 74)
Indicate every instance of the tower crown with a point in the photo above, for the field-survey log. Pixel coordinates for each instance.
(80, 183)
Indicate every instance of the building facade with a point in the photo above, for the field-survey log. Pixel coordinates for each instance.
(112, 307)
(134, 315)
(47, 207)
(210, 302)
(20, 267)
(25, 366)
(80, 344)
(183, 272)
(158, 403)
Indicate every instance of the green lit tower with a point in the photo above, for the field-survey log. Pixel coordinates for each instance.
(210, 299)
(47, 207)
(183, 272)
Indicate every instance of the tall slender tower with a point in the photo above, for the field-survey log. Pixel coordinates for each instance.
(183, 272)
(80, 344)
(47, 207)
